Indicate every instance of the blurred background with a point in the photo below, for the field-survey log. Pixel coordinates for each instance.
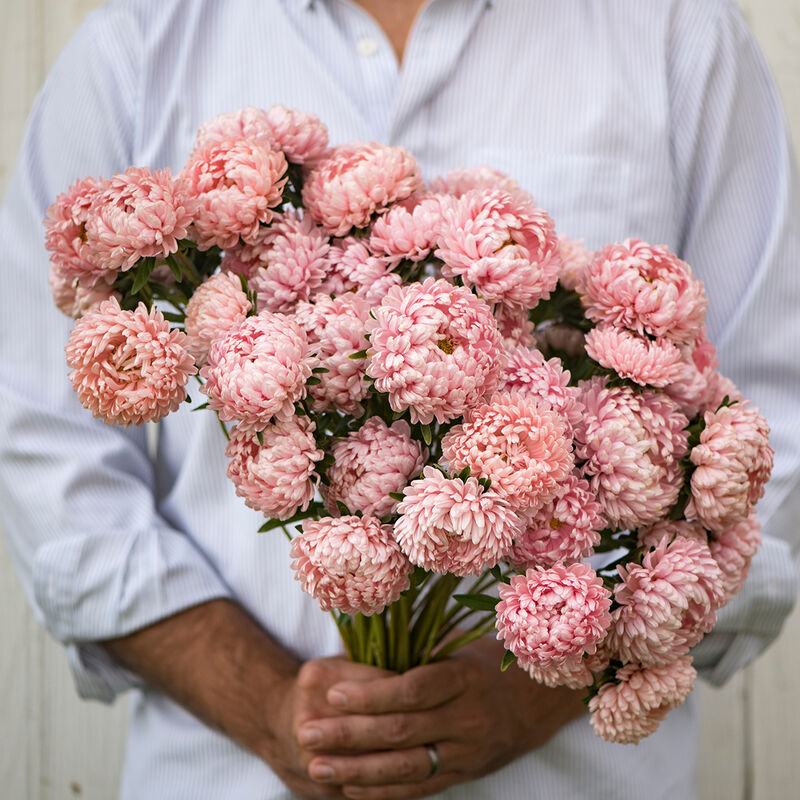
(53, 746)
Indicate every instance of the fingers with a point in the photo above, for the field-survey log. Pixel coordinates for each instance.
(391, 731)
(408, 766)
(403, 791)
(416, 690)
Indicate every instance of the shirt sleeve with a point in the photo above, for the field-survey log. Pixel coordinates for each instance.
(738, 185)
(95, 558)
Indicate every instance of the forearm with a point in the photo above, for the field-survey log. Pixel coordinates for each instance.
(218, 663)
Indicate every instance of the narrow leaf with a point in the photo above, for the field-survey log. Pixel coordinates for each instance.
(358, 355)
(200, 408)
(312, 381)
(427, 436)
(399, 496)
(508, 659)
(477, 602)
(269, 525)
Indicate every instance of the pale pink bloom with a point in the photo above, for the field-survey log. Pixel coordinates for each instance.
(246, 123)
(527, 371)
(352, 564)
(733, 549)
(645, 288)
(560, 338)
(352, 268)
(575, 258)
(630, 707)
(695, 386)
(720, 387)
(407, 230)
(377, 289)
(214, 308)
(246, 258)
(138, 214)
(292, 265)
(461, 180)
(667, 603)
(257, 371)
(452, 525)
(551, 617)
(370, 463)
(566, 529)
(274, 470)
(336, 328)
(515, 326)
(631, 444)
(356, 181)
(301, 136)
(648, 362)
(65, 236)
(516, 441)
(434, 348)
(574, 673)
(235, 184)
(76, 296)
(128, 367)
(505, 247)
(733, 462)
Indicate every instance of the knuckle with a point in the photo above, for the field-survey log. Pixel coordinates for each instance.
(412, 693)
(398, 730)
(406, 767)
(311, 675)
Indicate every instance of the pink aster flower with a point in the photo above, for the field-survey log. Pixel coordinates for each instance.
(551, 617)
(357, 180)
(667, 603)
(695, 385)
(720, 388)
(650, 535)
(434, 348)
(275, 474)
(350, 563)
(292, 265)
(407, 230)
(526, 371)
(575, 673)
(452, 525)
(505, 247)
(352, 268)
(128, 367)
(461, 180)
(733, 549)
(648, 362)
(302, 137)
(235, 184)
(515, 326)
(246, 258)
(257, 371)
(370, 463)
(65, 235)
(566, 529)
(336, 328)
(76, 296)
(630, 707)
(631, 444)
(138, 214)
(516, 441)
(575, 258)
(246, 123)
(214, 308)
(645, 288)
(733, 462)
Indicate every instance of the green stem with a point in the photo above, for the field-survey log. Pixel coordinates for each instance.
(361, 637)
(424, 637)
(346, 632)
(401, 634)
(470, 636)
(377, 625)
(188, 265)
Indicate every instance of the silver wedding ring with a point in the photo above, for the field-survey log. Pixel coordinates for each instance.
(433, 755)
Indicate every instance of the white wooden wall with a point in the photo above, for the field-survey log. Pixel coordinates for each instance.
(52, 746)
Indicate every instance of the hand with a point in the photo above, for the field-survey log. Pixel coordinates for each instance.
(305, 698)
(478, 717)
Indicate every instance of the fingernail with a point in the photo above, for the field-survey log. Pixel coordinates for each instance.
(321, 772)
(336, 698)
(308, 737)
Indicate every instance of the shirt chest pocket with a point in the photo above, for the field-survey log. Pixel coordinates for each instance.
(599, 198)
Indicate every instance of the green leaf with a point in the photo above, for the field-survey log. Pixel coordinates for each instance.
(496, 573)
(270, 524)
(477, 602)
(260, 437)
(200, 408)
(320, 370)
(187, 399)
(358, 355)
(343, 509)
(175, 269)
(312, 381)
(171, 317)
(427, 435)
(508, 659)
(399, 496)
(142, 274)
(465, 473)
(485, 482)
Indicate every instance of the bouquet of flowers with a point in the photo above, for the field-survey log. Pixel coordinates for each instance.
(463, 420)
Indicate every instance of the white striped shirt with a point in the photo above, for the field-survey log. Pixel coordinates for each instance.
(649, 118)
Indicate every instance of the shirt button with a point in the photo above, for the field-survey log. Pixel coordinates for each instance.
(366, 47)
